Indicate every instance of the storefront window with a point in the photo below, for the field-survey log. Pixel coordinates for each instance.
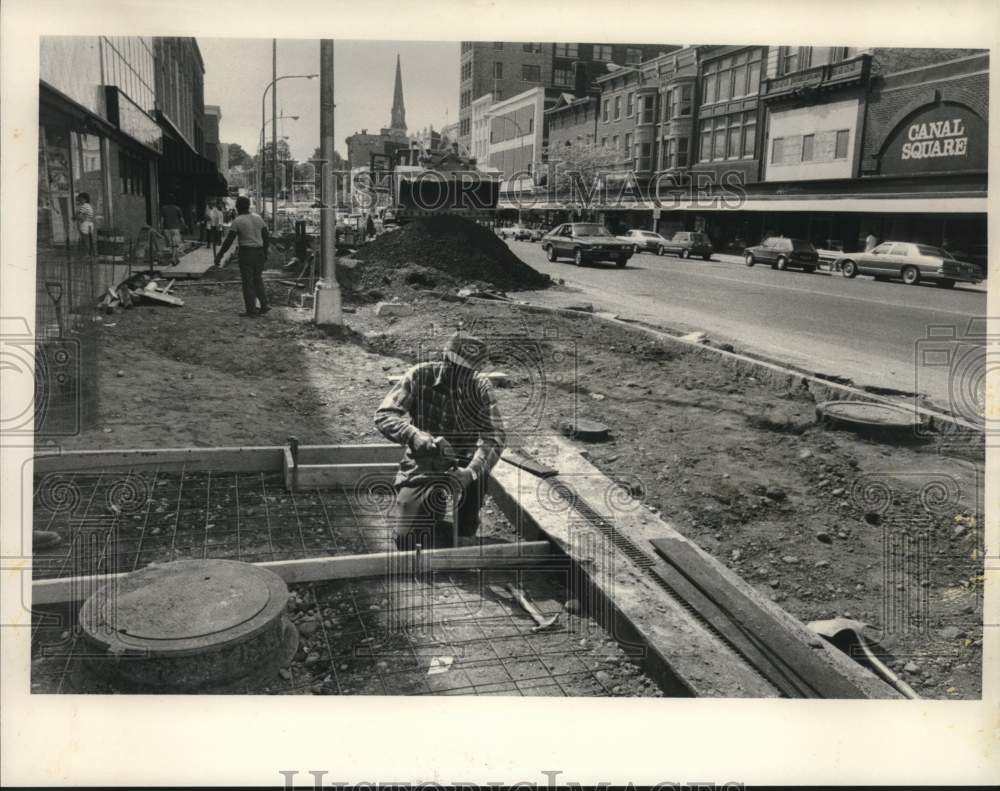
(55, 198)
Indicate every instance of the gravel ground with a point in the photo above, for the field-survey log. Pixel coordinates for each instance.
(824, 522)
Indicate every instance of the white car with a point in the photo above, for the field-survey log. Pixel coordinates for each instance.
(643, 241)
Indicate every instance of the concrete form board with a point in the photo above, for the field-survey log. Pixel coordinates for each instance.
(675, 637)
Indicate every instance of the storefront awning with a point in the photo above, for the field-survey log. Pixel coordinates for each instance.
(866, 205)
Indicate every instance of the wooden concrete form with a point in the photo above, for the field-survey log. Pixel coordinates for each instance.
(341, 567)
(681, 652)
(323, 466)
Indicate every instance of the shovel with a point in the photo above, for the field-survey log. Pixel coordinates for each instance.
(844, 633)
(514, 593)
(54, 290)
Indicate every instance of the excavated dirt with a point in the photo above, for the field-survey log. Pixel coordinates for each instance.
(826, 523)
(441, 253)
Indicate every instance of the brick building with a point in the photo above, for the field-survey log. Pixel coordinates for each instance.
(505, 69)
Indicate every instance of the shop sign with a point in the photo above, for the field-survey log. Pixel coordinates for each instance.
(940, 139)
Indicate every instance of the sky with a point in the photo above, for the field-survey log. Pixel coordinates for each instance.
(238, 70)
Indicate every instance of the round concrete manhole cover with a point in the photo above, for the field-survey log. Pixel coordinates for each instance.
(183, 605)
(867, 415)
(192, 602)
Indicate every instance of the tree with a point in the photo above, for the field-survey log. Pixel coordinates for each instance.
(238, 155)
(574, 166)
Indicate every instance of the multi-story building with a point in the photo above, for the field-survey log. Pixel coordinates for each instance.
(505, 69)
(187, 174)
(97, 135)
(517, 136)
(213, 118)
(479, 126)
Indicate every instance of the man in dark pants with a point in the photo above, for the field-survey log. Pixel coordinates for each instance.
(251, 233)
(447, 417)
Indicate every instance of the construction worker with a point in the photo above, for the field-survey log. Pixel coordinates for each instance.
(445, 414)
(250, 232)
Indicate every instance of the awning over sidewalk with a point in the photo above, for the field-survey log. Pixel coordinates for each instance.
(837, 203)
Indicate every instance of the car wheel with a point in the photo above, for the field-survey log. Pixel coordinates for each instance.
(946, 284)
(781, 263)
(636, 250)
(808, 269)
(685, 253)
(578, 257)
(849, 269)
(550, 252)
(749, 259)
(621, 262)
(707, 256)
(911, 275)
(659, 250)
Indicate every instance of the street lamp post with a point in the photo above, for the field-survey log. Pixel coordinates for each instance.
(263, 100)
(326, 302)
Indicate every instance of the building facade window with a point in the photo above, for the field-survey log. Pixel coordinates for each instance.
(531, 73)
(843, 137)
(532, 46)
(749, 135)
(728, 137)
(628, 144)
(633, 56)
(777, 149)
(566, 50)
(562, 77)
(604, 142)
(648, 109)
(604, 110)
(630, 104)
(645, 158)
(677, 102)
(732, 77)
(618, 108)
(682, 152)
(614, 142)
(602, 52)
(497, 70)
(807, 147)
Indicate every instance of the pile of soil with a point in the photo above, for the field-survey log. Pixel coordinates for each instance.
(440, 253)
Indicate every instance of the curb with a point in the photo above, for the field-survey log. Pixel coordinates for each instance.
(937, 425)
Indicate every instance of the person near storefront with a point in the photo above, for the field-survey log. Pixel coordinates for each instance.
(85, 222)
(213, 225)
(173, 223)
(251, 233)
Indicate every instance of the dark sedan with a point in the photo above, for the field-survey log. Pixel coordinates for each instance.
(583, 242)
(780, 252)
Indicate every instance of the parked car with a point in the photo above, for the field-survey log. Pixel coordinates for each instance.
(688, 243)
(781, 253)
(517, 232)
(537, 234)
(644, 241)
(912, 263)
(583, 242)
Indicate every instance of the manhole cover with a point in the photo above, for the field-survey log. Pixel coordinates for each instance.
(867, 415)
(190, 624)
(197, 601)
(583, 429)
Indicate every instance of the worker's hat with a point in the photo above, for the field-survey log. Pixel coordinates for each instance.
(467, 350)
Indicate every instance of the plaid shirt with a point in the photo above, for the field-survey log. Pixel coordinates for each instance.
(449, 401)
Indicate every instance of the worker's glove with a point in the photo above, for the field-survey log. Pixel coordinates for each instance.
(464, 476)
(422, 444)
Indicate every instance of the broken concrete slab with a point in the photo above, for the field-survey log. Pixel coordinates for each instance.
(393, 309)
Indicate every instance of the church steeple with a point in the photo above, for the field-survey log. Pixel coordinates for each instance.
(398, 120)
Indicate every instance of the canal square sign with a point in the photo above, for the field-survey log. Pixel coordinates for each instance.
(939, 139)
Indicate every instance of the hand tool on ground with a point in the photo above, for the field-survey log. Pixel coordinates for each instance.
(541, 622)
(54, 290)
(845, 633)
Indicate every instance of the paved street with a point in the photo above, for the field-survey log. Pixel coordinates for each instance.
(859, 329)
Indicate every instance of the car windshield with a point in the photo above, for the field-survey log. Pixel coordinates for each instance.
(798, 244)
(651, 235)
(590, 229)
(935, 252)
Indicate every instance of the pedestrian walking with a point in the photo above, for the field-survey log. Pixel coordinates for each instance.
(172, 222)
(250, 232)
(213, 224)
(370, 228)
(446, 415)
(871, 241)
(85, 222)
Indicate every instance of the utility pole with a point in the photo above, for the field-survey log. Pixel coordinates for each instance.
(274, 135)
(326, 303)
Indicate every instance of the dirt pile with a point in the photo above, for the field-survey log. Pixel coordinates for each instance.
(440, 253)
